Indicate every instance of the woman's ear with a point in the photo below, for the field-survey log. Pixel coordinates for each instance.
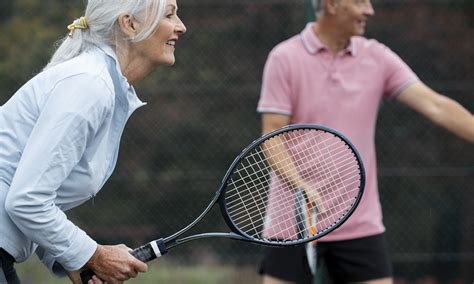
(331, 6)
(128, 25)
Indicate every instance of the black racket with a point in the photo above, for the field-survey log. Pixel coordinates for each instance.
(257, 194)
(306, 214)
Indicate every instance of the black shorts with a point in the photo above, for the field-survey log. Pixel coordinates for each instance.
(355, 260)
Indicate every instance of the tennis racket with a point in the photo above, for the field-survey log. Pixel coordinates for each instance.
(257, 194)
(306, 214)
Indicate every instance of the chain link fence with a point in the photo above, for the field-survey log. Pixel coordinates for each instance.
(201, 113)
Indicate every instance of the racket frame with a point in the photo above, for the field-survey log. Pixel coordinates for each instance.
(159, 247)
(220, 194)
(219, 197)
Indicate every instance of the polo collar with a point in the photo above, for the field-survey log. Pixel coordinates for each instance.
(313, 45)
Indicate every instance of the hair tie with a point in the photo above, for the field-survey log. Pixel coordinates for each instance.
(80, 23)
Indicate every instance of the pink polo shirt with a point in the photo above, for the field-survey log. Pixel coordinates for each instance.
(304, 80)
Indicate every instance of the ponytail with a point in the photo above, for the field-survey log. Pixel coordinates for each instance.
(99, 26)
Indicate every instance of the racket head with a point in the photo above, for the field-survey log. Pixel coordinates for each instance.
(259, 204)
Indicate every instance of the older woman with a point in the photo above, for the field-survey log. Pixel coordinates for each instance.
(60, 132)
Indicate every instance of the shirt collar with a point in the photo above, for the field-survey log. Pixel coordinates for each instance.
(131, 96)
(313, 45)
(111, 53)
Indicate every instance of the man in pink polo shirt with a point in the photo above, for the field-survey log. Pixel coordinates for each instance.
(330, 75)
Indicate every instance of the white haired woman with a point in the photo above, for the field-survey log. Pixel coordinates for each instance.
(60, 132)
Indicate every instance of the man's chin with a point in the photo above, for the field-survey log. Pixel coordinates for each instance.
(359, 32)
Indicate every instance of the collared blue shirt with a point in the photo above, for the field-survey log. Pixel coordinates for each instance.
(59, 141)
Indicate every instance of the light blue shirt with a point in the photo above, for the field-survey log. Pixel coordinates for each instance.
(59, 140)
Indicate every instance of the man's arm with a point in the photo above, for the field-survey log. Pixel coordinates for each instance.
(272, 121)
(289, 172)
(441, 110)
(277, 152)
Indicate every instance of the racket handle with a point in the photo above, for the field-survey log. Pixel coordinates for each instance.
(144, 253)
(86, 275)
(150, 251)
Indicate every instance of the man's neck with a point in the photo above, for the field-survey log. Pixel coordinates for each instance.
(331, 36)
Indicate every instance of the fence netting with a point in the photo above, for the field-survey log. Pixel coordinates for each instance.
(202, 112)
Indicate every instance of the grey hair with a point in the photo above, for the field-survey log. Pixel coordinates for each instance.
(101, 17)
(318, 6)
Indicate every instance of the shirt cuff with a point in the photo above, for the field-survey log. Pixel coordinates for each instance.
(80, 251)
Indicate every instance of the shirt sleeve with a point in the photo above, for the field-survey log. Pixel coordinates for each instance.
(48, 260)
(275, 92)
(70, 116)
(397, 73)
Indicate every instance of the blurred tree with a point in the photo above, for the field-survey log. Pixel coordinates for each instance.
(309, 11)
(28, 38)
(6, 10)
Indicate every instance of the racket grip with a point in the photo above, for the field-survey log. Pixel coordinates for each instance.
(144, 253)
(86, 275)
(150, 251)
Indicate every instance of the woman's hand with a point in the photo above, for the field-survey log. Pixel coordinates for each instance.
(114, 264)
(74, 276)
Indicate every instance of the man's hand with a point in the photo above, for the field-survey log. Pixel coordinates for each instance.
(114, 264)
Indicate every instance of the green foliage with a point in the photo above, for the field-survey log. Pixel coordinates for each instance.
(28, 38)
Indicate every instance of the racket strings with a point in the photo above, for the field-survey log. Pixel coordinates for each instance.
(266, 169)
(260, 215)
(236, 203)
(248, 196)
(309, 162)
(248, 205)
(283, 209)
(265, 182)
(242, 215)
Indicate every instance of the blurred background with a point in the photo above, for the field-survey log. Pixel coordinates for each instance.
(201, 113)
